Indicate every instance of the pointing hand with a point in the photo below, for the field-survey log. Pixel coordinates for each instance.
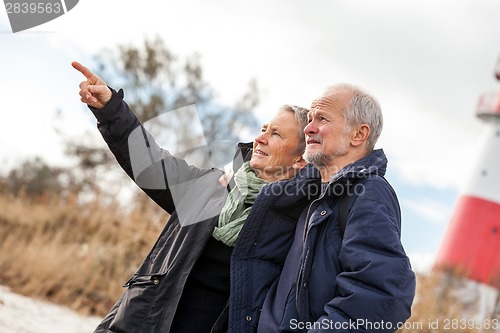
(94, 91)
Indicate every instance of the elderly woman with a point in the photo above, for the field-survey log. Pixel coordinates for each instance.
(184, 283)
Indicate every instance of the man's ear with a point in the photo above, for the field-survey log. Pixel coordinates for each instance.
(360, 135)
(299, 163)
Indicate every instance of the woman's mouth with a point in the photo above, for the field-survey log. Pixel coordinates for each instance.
(260, 152)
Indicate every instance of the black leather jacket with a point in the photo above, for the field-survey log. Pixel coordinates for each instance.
(191, 195)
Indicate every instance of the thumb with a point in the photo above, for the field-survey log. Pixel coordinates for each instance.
(101, 93)
(98, 90)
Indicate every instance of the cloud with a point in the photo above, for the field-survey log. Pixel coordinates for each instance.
(427, 75)
(422, 262)
(430, 147)
(429, 210)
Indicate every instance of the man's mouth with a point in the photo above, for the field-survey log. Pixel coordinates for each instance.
(313, 141)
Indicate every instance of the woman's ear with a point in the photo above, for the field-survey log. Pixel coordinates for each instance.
(299, 163)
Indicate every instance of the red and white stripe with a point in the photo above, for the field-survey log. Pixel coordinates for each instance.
(472, 243)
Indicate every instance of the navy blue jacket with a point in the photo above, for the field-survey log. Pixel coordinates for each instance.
(361, 282)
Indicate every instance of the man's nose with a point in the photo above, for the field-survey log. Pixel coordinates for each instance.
(311, 128)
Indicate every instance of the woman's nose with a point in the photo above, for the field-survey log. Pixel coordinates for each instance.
(261, 138)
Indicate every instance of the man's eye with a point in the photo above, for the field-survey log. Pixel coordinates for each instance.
(276, 133)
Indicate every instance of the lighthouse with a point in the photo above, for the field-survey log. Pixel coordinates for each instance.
(471, 246)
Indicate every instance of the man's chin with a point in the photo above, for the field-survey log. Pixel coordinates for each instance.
(316, 158)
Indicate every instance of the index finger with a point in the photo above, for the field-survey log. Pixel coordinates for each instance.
(82, 69)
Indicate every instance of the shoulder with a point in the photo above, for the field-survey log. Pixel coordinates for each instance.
(372, 198)
(376, 188)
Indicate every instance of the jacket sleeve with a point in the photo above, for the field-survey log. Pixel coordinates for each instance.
(163, 177)
(377, 285)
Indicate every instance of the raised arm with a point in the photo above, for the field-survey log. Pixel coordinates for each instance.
(162, 176)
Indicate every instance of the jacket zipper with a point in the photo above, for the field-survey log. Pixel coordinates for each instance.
(306, 232)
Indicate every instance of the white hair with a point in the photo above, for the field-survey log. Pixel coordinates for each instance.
(362, 109)
(301, 116)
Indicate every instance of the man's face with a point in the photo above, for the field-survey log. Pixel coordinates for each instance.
(275, 149)
(327, 136)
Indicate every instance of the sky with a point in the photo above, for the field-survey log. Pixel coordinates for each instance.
(427, 62)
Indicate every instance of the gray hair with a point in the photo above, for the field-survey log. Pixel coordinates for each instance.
(363, 108)
(301, 116)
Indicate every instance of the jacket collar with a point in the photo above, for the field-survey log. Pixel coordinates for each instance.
(243, 154)
(375, 163)
(307, 183)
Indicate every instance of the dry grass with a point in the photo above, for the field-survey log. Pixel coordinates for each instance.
(80, 255)
(73, 254)
(446, 302)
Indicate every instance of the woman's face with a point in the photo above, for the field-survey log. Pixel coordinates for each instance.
(275, 149)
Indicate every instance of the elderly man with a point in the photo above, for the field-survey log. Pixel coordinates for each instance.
(346, 270)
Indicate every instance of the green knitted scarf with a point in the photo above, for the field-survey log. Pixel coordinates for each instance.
(238, 204)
